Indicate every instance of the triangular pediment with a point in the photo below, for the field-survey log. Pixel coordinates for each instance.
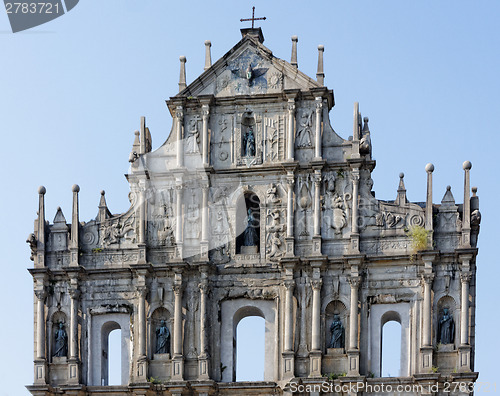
(249, 68)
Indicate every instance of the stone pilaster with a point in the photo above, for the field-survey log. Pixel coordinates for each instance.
(74, 361)
(426, 350)
(354, 222)
(290, 240)
(40, 360)
(290, 130)
(315, 354)
(204, 224)
(178, 358)
(353, 351)
(142, 370)
(179, 192)
(203, 358)
(288, 353)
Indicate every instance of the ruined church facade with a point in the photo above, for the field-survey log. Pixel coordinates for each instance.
(255, 206)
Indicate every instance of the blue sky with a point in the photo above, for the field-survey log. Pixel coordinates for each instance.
(72, 92)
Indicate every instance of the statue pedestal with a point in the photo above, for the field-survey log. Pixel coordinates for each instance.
(315, 364)
(464, 358)
(249, 249)
(426, 359)
(335, 351)
(288, 361)
(178, 368)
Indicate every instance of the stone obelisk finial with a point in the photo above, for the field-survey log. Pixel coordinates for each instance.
(293, 62)
(40, 259)
(320, 75)
(74, 226)
(429, 168)
(208, 55)
(466, 208)
(182, 77)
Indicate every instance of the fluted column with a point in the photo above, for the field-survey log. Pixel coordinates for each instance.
(40, 324)
(179, 115)
(317, 203)
(73, 330)
(355, 185)
(141, 313)
(427, 319)
(353, 323)
(317, 136)
(316, 314)
(464, 315)
(289, 286)
(203, 312)
(290, 130)
(205, 114)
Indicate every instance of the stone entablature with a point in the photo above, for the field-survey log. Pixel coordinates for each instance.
(254, 206)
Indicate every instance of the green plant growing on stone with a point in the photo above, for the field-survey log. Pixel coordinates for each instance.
(371, 375)
(97, 250)
(222, 368)
(154, 380)
(434, 369)
(418, 239)
(334, 376)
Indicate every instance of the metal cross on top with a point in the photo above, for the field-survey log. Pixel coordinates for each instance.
(253, 19)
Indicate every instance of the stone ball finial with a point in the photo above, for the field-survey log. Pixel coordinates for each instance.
(182, 58)
(366, 119)
(208, 43)
(448, 188)
(474, 191)
(41, 190)
(295, 38)
(103, 192)
(467, 165)
(321, 47)
(58, 209)
(136, 133)
(401, 175)
(75, 188)
(429, 168)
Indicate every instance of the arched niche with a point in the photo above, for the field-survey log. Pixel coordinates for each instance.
(446, 303)
(380, 314)
(335, 307)
(57, 318)
(232, 312)
(160, 314)
(248, 133)
(248, 224)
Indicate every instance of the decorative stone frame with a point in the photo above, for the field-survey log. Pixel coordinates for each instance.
(232, 312)
(380, 314)
(100, 327)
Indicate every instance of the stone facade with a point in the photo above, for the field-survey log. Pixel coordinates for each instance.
(254, 206)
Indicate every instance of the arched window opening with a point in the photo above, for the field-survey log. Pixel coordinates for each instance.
(248, 224)
(391, 349)
(250, 348)
(115, 357)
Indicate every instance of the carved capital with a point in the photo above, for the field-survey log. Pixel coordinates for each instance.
(205, 111)
(319, 103)
(40, 294)
(74, 293)
(177, 288)
(290, 181)
(354, 281)
(289, 285)
(355, 177)
(142, 291)
(291, 106)
(204, 288)
(179, 112)
(427, 279)
(316, 284)
(317, 178)
(465, 277)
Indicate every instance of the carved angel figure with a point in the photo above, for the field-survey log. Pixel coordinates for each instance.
(339, 215)
(193, 138)
(249, 73)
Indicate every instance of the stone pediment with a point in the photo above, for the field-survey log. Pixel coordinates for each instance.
(249, 68)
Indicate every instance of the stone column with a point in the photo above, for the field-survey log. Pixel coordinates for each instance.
(315, 354)
(40, 361)
(74, 364)
(204, 214)
(203, 368)
(290, 130)
(178, 213)
(464, 312)
(288, 353)
(141, 313)
(179, 115)
(178, 359)
(317, 137)
(353, 352)
(427, 319)
(205, 113)
(354, 227)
